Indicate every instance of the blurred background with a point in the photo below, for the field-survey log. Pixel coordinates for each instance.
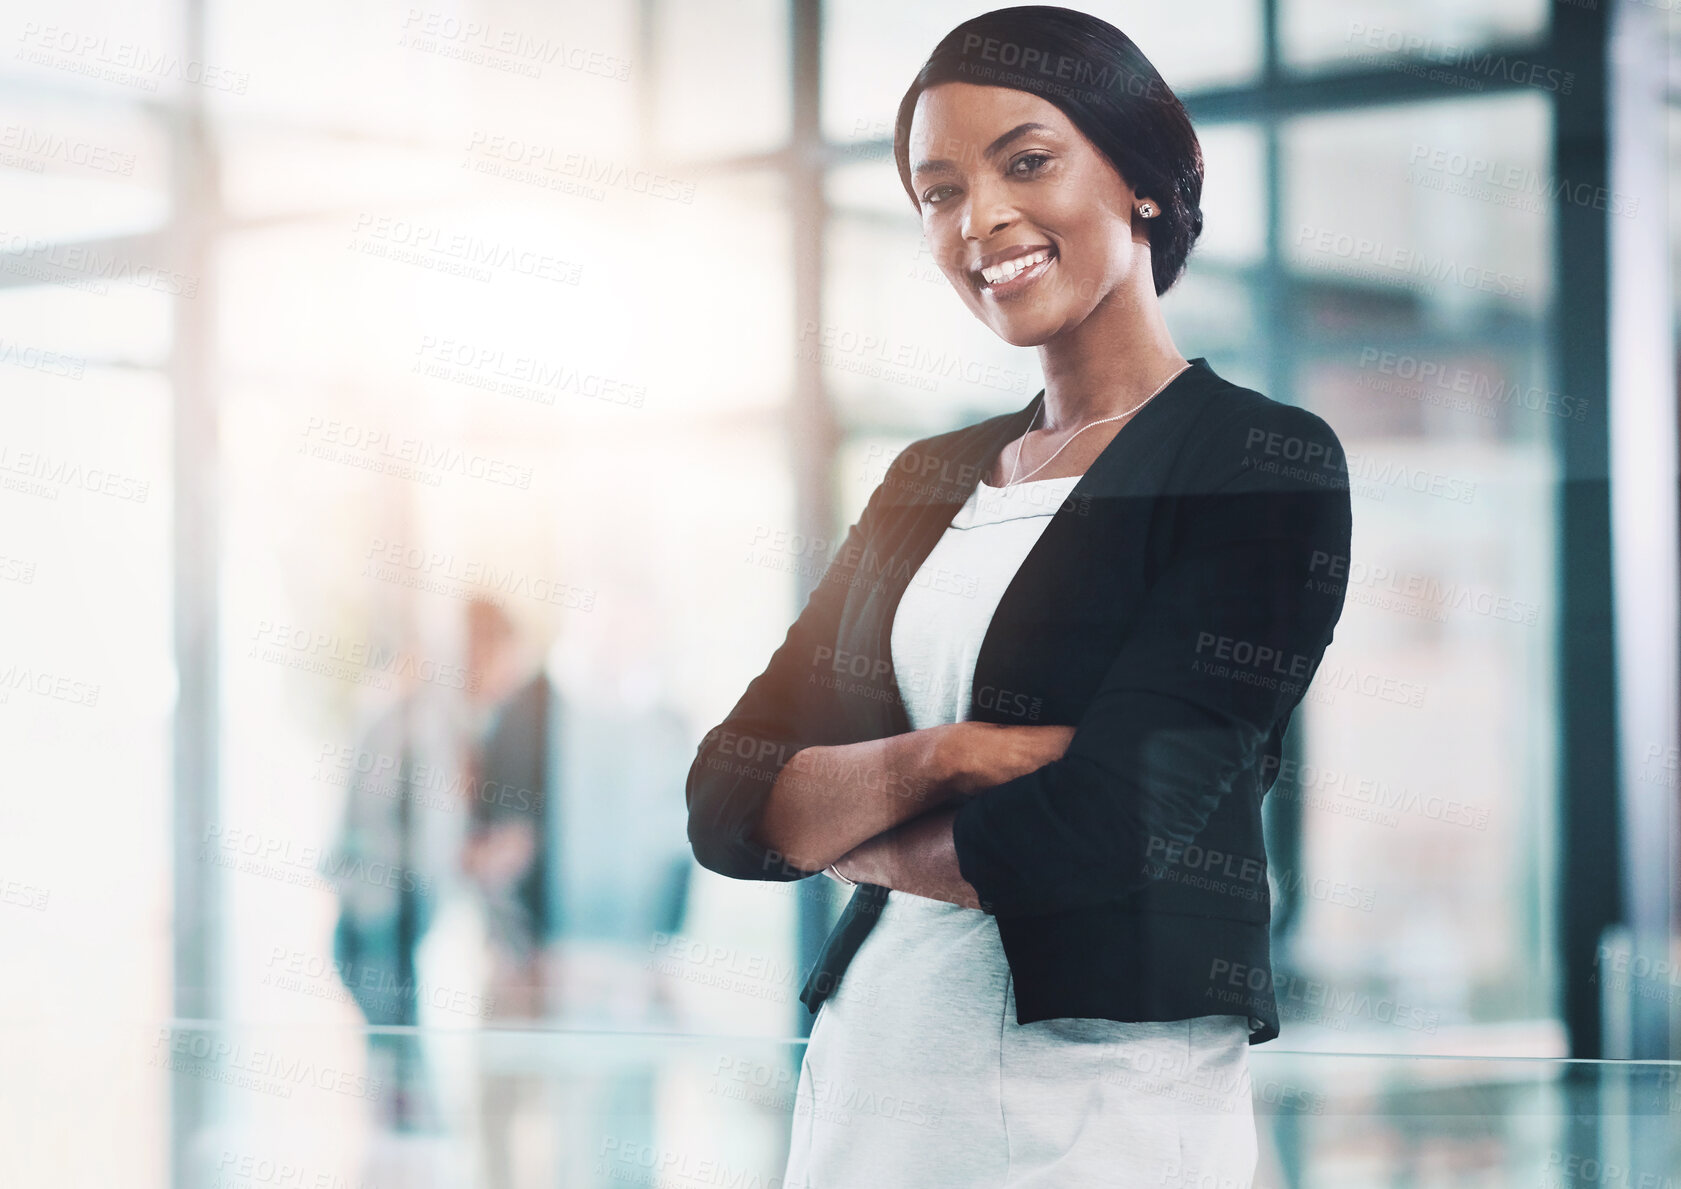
(421, 420)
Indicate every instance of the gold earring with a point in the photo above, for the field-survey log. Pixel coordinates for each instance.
(1147, 209)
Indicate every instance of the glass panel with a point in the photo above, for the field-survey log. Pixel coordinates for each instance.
(80, 168)
(287, 1105)
(1234, 176)
(448, 594)
(434, 74)
(721, 78)
(1673, 209)
(1182, 51)
(80, 323)
(87, 688)
(1212, 311)
(87, 681)
(1452, 212)
(1410, 33)
(1419, 259)
(117, 53)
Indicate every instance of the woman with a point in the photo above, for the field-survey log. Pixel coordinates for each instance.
(1033, 706)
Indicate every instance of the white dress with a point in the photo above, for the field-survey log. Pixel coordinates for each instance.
(916, 1073)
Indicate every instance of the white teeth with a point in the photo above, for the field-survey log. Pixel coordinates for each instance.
(1012, 268)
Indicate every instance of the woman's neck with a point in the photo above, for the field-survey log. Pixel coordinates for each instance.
(1107, 365)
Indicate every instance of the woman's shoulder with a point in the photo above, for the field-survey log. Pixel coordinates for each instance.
(1241, 428)
(944, 467)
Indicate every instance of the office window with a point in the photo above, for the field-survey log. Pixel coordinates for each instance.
(1395, 34)
(1417, 321)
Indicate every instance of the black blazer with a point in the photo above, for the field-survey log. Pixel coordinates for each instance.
(1173, 611)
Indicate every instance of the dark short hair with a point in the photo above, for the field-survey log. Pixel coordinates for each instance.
(1105, 85)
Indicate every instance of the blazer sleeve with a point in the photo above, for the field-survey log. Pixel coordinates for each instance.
(790, 706)
(1223, 647)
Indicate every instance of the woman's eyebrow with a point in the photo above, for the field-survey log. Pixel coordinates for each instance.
(943, 165)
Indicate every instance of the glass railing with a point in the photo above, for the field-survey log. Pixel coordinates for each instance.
(277, 1106)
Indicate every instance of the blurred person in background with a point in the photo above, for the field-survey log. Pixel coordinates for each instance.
(408, 800)
(579, 878)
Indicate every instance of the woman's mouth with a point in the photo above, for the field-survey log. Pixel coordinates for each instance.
(1017, 275)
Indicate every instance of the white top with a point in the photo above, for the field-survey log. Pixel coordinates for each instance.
(917, 1072)
(943, 615)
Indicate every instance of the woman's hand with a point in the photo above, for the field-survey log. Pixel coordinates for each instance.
(918, 856)
(982, 754)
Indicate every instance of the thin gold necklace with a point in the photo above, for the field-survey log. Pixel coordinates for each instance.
(1020, 441)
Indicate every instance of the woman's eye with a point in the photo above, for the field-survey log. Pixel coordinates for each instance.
(1035, 161)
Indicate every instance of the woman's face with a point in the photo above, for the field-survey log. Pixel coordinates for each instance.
(999, 173)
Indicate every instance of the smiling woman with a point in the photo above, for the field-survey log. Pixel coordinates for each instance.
(1114, 130)
(1017, 775)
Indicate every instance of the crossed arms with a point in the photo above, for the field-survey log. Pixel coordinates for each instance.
(1023, 821)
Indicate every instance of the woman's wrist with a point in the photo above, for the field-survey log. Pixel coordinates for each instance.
(963, 761)
(951, 759)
